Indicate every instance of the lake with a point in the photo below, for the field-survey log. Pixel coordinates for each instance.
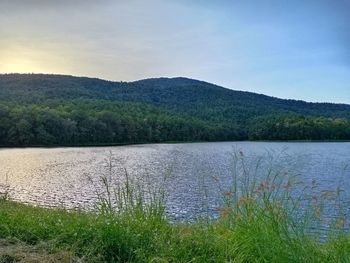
(195, 175)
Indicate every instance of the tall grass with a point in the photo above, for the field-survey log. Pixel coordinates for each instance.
(263, 218)
(121, 194)
(4, 188)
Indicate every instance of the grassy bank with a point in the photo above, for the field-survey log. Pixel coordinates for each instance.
(60, 236)
(260, 220)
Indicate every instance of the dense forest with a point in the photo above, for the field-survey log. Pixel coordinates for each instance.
(38, 109)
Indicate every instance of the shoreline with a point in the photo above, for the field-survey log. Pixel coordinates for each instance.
(165, 143)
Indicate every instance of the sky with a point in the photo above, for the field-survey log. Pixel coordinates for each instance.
(296, 49)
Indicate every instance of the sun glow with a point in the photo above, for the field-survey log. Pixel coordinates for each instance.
(27, 60)
(19, 65)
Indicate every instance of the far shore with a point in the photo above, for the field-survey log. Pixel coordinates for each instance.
(165, 142)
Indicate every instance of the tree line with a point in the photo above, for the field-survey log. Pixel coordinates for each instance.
(64, 110)
(92, 123)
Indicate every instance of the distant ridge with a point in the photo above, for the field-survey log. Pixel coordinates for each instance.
(154, 110)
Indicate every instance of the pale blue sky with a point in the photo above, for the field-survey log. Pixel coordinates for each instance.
(290, 49)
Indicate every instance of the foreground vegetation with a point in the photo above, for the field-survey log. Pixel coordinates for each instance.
(65, 110)
(141, 237)
(259, 221)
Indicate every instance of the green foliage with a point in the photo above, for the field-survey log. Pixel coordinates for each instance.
(65, 110)
(296, 127)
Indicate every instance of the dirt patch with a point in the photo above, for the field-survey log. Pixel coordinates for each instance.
(14, 251)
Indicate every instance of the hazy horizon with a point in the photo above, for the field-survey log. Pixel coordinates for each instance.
(291, 50)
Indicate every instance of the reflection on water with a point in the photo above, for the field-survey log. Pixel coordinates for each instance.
(195, 172)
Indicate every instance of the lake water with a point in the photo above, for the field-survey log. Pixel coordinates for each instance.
(194, 175)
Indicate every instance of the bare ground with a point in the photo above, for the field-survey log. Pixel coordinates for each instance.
(15, 251)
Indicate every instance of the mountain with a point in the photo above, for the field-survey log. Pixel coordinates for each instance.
(38, 109)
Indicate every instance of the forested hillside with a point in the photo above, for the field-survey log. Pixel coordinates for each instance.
(40, 109)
